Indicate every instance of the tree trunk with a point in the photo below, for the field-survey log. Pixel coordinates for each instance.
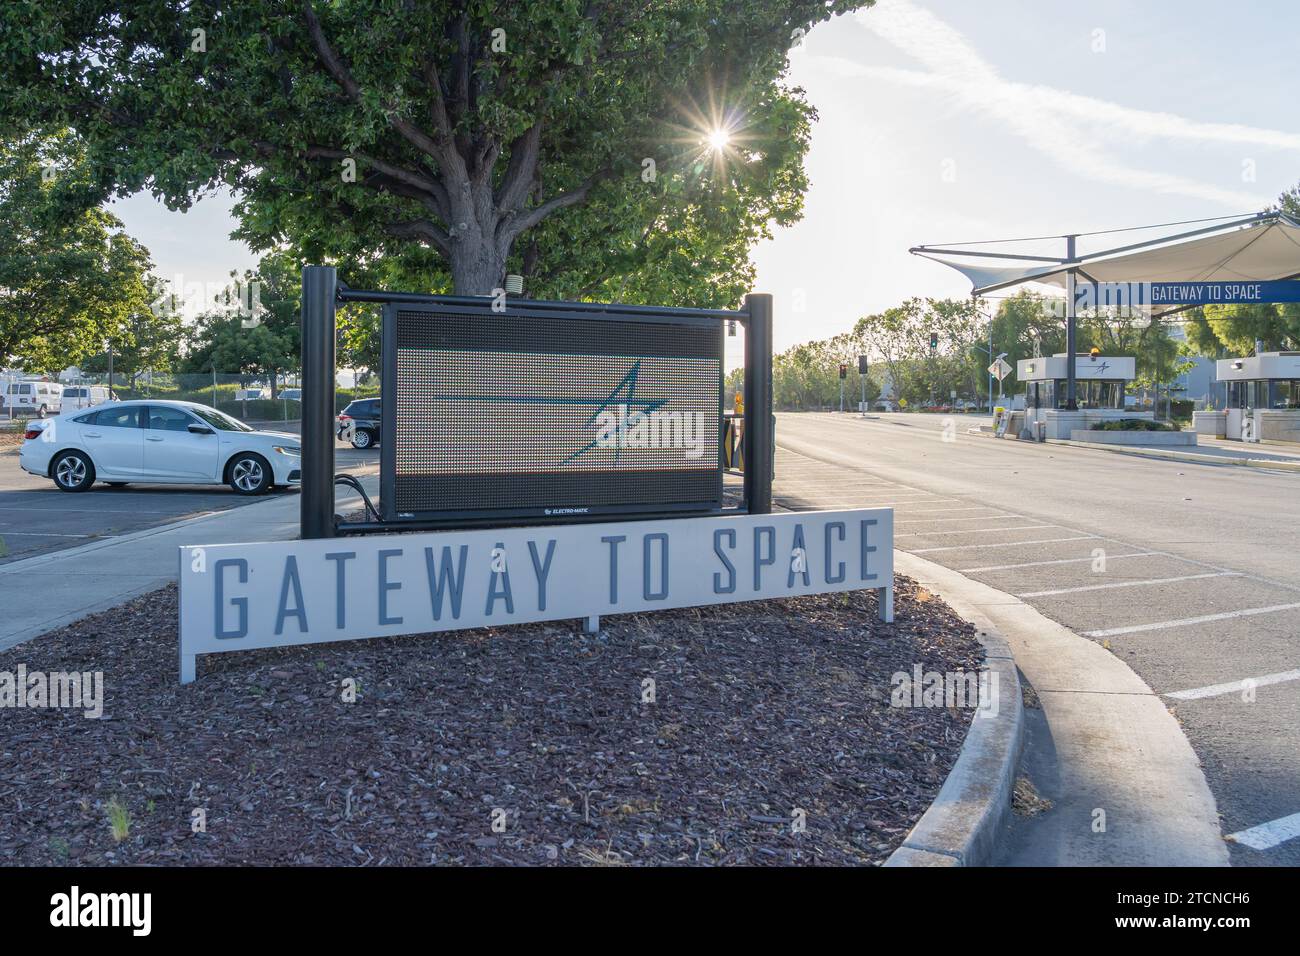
(478, 265)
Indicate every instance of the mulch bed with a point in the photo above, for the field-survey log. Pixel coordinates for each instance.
(759, 709)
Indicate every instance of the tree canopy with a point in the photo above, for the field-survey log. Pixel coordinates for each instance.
(450, 136)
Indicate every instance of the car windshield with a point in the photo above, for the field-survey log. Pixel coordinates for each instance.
(220, 420)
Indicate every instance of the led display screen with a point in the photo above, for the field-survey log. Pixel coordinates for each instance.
(549, 417)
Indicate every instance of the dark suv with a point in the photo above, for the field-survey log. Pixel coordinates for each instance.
(362, 416)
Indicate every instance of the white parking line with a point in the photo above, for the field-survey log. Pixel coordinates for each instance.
(1041, 564)
(39, 534)
(972, 518)
(1130, 584)
(1203, 619)
(1216, 690)
(944, 511)
(1007, 544)
(1268, 835)
(1005, 527)
(870, 504)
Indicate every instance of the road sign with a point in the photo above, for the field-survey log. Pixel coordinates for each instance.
(1185, 293)
(1000, 369)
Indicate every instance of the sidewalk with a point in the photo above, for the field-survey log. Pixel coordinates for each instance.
(51, 590)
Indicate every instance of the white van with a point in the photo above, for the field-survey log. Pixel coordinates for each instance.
(84, 396)
(33, 399)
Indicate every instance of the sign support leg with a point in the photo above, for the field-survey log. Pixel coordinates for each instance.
(885, 598)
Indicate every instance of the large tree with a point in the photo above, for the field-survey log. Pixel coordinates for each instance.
(357, 127)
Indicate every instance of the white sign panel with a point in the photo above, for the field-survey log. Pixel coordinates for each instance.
(236, 597)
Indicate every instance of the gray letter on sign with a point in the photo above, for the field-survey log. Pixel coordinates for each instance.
(830, 560)
(759, 560)
(340, 590)
(730, 533)
(613, 540)
(242, 603)
(442, 577)
(298, 611)
(801, 548)
(385, 586)
(499, 587)
(542, 569)
(663, 567)
(867, 549)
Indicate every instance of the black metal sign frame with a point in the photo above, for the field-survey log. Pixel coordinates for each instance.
(322, 293)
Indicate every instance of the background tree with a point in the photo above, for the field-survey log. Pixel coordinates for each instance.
(70, 278)
(363, 127)
(899, 339)
(1222, 331)
(150, 340)
(228, 339)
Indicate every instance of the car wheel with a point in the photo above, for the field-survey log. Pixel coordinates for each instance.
(73, 471)
(249, 474)
(362, 438)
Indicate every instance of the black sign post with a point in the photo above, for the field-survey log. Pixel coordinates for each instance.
(760, 426)
(316, 504)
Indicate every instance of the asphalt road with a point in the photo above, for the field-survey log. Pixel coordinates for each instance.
(36, 518)
(1188, 572)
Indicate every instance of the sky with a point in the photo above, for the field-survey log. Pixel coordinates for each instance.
(953, 121)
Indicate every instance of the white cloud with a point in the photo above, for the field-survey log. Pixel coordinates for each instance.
(1068, 128)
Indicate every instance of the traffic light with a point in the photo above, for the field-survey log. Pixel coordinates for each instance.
(862, 365)
(844, 371)
(934, 341)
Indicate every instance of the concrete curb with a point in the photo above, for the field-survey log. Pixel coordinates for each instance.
(1188, 456)
(973, 807)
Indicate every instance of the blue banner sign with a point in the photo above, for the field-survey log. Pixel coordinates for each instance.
(1100, 295)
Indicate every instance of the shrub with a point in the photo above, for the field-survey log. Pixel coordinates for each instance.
(1132, 425)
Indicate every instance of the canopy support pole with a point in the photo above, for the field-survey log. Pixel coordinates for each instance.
(1070, 327)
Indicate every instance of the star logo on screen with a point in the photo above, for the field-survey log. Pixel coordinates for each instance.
(618, 416)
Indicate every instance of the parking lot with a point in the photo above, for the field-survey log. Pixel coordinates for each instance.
(1187, 572)
(36, 518)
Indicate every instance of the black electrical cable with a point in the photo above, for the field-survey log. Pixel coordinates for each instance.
(351, 482)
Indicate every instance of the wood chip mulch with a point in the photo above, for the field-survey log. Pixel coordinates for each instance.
(760, 711)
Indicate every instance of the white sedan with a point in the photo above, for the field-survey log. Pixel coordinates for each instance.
(177, 443)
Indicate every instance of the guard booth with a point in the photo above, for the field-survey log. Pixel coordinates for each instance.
(1100, 383)
(1263, 399)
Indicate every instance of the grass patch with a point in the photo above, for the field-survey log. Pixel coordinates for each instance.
(119, 819)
